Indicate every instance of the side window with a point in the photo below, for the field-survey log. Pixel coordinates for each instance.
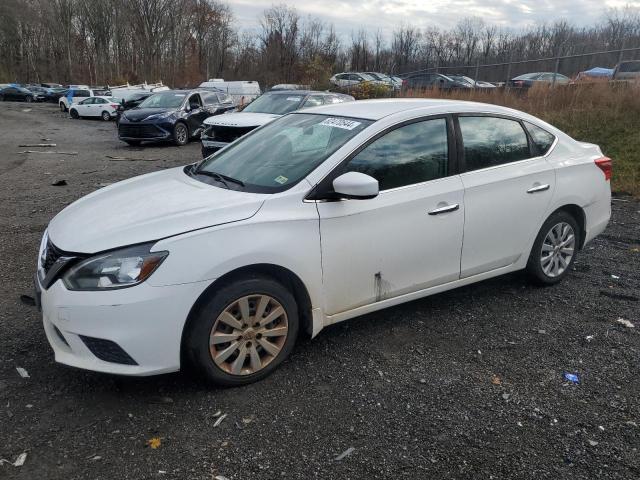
(490, 141)
(82, 93)
(194, 101)
(100, 100)
(541, 138)
(313, 101)
(210, 98)
(88, 101)
(414, 153)
(333, 99)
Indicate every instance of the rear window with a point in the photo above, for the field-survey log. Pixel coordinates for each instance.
(541, 138)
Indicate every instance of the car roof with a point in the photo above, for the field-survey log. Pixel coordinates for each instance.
(299, 92)
(377, 109)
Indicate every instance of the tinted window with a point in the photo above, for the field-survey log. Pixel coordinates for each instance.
(81, 93)
(411, 154)
(490, 141)
(630, 67)
(541, 138)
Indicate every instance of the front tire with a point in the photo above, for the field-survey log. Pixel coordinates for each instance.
(554, 249)
(243, 331)
(180, 134)
(74, 114)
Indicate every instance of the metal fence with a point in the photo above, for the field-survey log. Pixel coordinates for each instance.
(569, 65)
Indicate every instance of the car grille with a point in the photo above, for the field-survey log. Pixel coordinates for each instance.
(138, 131)
(52, 255)
(229, 134)
(107, 350)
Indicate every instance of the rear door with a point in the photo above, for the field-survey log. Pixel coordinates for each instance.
(508, 186)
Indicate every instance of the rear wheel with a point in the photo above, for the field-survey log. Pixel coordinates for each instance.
(555, 249)
(243, 332)
(180, 134)
(63, 107)
(106, 116)
(74, 113)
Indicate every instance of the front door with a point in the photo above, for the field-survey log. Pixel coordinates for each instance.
(407, 238)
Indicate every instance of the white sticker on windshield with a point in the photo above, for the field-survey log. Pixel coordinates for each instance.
(280, 179)
(294, 99)
(340, 123)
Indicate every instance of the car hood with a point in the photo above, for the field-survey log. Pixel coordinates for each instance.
(146, 208)
(139, 114)
(241, 119)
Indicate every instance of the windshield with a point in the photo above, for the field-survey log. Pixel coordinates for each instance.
(366, 76)
(275, 103)
(528, 76)
(164, 100)
(280, 154)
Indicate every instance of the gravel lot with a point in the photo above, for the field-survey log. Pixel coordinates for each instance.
(467, 384)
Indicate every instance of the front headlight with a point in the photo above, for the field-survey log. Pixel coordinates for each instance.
(117, 269)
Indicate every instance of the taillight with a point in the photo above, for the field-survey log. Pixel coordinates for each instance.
(606, 166)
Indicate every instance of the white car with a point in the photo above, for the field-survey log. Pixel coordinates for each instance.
(74, 94)
(322, 215)
(103, 107)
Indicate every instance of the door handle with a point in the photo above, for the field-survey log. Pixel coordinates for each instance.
(445, 209)
(538, 188)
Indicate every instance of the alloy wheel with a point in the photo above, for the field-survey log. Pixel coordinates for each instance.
(181, 134)
(248, 334)
(557, 249)
(105, 116)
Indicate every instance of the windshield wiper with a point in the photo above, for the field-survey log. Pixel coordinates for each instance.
(220, 177)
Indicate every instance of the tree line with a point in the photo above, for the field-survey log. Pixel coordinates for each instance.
(183, 42)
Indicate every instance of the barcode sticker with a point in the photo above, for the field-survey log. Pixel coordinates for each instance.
(340, 123)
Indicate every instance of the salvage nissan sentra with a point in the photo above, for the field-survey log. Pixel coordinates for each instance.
(317, 217)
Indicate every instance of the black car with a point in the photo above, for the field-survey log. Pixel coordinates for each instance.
(17, 94)
(434, 80)
(172, 115)
(41, 94)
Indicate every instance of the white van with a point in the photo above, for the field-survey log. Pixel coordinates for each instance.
(126, 92)
(242, 91)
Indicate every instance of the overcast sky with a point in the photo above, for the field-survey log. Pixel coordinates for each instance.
(348, 16)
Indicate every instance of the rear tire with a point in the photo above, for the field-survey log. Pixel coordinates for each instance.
(253, 350)
(554, 249)
(74, 114)
(105, 116)
(63, 107)
(180, 134)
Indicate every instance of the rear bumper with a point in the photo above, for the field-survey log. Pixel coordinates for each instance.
(134, 331)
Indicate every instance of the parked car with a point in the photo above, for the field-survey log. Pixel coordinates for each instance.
(629, 70)
(73, 95)
(98, 106)
(40, 94)
(17, 94)
(434, 80)
(320, 216)
(220, 131)
(51, 85)
(395, 83)
(241, 91)
(471, 82)
(351, 79)
(528, 80)
(173, 115)
(126, 92)
(289, 86)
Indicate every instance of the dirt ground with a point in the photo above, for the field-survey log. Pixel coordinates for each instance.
(467, 384)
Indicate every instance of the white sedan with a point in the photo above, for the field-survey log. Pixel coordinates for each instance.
(100, 107)
(322, 215)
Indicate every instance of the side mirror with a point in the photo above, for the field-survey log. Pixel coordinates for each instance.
(356, 185)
